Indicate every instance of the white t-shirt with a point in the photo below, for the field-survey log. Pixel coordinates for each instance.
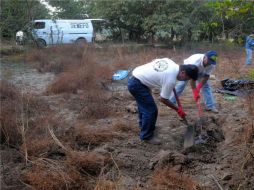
(197, 59)
(20, 34)
(160, 73)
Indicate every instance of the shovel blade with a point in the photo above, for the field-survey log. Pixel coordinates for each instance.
(189, 137)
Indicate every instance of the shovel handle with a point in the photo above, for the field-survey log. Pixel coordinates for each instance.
(180, 105)
(200, 111)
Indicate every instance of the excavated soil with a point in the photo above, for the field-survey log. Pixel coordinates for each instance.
(222, 158)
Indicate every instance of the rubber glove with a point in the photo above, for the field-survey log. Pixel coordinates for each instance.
(180, 112)
(196, 91)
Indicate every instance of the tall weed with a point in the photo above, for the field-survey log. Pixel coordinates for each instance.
(168, 179)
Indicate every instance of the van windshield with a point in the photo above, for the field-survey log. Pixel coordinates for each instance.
(39, 25)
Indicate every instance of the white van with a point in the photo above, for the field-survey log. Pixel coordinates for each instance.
(50, 32)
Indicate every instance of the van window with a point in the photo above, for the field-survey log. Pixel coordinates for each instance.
(98, 25)
(39, 25)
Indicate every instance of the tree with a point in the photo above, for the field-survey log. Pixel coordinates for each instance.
(233, 17)
(123, 14)
(15, 14)
(69, 9)
(173, 19)
(147, 18)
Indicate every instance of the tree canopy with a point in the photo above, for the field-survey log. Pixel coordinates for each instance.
(69, 9)
(165, 20)
(15, 14)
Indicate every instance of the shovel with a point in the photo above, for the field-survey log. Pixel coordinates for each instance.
(190, 132)
(200, 115)
(200, 124)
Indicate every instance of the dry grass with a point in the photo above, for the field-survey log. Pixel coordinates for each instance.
(87, 76)
(84, 65)
(87, 163)
(104, 184)
(18, 113)
(79, 71)
(23, 122)
(88, 69)
(54, 175)
(67, 82)
(10, 113)
(249, 132)
(80, 170)
(170, 180)
(230, 65)
(125, 128)
(247, 135)
(85, 135)
(250, 104)
(37, 147)
(55, 58)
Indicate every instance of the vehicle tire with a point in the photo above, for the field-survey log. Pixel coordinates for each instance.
(81, 41)
(41, 43)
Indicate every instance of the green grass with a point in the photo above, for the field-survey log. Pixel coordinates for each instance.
(251, 74)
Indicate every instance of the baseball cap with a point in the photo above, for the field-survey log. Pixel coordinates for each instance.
(212, 57)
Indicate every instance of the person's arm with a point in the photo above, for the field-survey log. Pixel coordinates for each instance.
(203, 80)
(166, 90)
(178, 109)
(168, 103)
(196, 89)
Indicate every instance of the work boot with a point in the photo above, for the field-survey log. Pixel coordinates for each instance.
(214, 110)
(154, 141)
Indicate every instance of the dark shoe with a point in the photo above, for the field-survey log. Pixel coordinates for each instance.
(153, 141)
(214, 110)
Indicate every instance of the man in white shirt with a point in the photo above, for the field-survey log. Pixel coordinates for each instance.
(163, 74)
(20, 37)
(206, 64)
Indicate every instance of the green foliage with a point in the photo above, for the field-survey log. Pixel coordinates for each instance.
(69, 9)
(164, 20)
(173, 18)
(124, 14)
(251, 74)
(17, 13)
(183, 20)
(234, 18)
(145, 19)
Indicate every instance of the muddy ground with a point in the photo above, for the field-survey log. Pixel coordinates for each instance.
(223, 161)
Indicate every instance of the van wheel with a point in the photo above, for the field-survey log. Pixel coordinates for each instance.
(41, 43)
(81, 41)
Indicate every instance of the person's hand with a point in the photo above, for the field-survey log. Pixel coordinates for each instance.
(196, 91)
(195, 94)
(180, 112)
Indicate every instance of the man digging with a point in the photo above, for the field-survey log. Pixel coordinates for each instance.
(206, 64)
(163, 74)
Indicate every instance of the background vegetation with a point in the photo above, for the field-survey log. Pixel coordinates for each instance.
(143, 20)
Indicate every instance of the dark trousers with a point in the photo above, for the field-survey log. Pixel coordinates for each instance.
(146, 107)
